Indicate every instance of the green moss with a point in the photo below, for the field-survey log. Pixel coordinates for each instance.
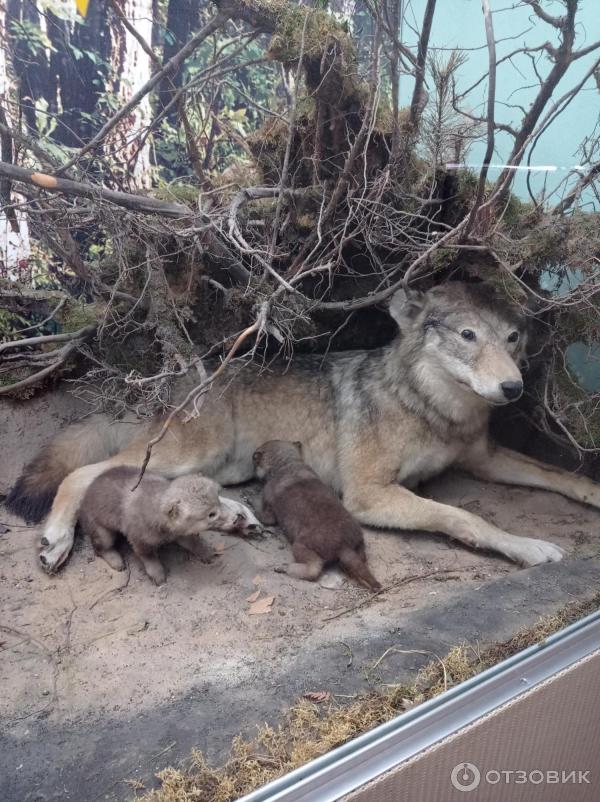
(384, 117)
(76, 314)
(514, 210)
(467, 184)
(178, 191)
(303, 30)
(10, 377)
(441, 258)
(306, 222)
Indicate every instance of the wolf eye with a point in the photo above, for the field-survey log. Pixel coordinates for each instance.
(513, 337)
(212, 514)
(467, 334)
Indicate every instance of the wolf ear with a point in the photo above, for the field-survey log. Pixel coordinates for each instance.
(405, 305)
(172, 509)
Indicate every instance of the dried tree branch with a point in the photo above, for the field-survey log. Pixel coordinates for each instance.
(567, 202)
(416, 103)
(45, 339)
(50, 183)
(563, 58)
(59, 357)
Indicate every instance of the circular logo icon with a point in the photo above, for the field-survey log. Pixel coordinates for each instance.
(465, 777)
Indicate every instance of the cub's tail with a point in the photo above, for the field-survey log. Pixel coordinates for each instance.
(358, 569)
(78, 445)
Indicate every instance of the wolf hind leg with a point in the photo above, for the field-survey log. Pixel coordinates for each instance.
(58, 536)
(308, 565)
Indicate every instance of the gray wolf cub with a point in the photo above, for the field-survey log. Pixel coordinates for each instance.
(157, 512)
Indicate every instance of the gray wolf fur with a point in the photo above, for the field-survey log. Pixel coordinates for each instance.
(312, 517)
(372, 425)
(157, 512)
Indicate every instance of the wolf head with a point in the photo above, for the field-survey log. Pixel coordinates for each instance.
(464, 336)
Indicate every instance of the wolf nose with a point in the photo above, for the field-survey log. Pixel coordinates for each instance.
(512, 390)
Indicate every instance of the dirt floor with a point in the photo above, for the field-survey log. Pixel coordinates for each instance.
(106, 678)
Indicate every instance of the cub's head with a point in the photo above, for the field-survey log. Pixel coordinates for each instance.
(191, 505)
(466, 335)
(275, 454)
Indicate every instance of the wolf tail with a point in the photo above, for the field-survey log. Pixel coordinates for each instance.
(78, 445)
(358, 569)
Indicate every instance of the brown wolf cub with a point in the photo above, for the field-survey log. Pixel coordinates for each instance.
(157, 512)
(312, 517)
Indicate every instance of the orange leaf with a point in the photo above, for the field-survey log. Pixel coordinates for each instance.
(261, 606)
(254, 596)
(258, 580)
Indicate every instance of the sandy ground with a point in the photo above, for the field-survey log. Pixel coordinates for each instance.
(89, 655)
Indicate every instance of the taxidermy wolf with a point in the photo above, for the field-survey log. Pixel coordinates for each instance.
(373, 424)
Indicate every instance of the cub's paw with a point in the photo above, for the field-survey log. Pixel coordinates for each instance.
(114, 559)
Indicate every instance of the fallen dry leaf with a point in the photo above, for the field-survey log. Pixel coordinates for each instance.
(253, 596)
(317, 696)
(258, 580)
(261, 606)
(220, 548)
